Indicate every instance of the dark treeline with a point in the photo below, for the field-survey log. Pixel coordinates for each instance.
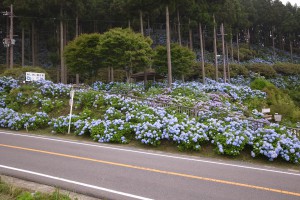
(43, 24)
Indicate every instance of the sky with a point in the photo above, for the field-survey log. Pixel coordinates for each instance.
(292, 2)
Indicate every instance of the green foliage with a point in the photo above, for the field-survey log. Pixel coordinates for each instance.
(295, 95)
(2, 68)
(183, 60)
(210, 71)
(122, 48)
(153, 91)
(260, 84)
(81, 54)
(279, 101)
(236, 69)
(262, 69)
(24, 194)
(20, 72)
(287, 68)
(17, 98)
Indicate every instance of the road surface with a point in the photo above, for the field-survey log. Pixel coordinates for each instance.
(110, 172)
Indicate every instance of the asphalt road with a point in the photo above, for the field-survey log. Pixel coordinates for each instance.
(109, 172)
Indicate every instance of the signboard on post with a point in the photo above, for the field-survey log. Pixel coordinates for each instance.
(72, 92)
(33, 76)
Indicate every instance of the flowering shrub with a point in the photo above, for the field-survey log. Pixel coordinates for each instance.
(36, 121)
(115, 131)
(61, 124)
(7, 83)
(50, 89)
(114, 118)
(189, 134)
(229, 136)
(276, 141)
(82, 127)
(13, 120)
(2, 100)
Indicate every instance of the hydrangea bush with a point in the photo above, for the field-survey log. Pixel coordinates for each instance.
(220, 116)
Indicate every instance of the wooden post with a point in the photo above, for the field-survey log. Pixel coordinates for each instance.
(168, 47)
(223, 52)
(215, 49)
(202, 53)
(179, 28)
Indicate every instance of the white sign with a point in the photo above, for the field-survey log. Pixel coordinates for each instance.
(72, 92)
(266, 110)
(33, 76)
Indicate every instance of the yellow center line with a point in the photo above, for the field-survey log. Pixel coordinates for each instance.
(157, 171)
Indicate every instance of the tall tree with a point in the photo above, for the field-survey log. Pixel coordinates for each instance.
(81, 54)
(183, 60)
(122, 48)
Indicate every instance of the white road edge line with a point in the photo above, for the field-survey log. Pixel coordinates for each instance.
(153, 154)
(75, 182)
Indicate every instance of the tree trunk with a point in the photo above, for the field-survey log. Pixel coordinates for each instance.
(168, 48)
(223, 53)
(231, 48)
(62, 64)
(65, 25)
(108, 75)
(145, 77)
(179, 28)
(238, 47)
(129, 24)
(33, 43)
(215, 49)
(273, 41)
(76, 27)
(112, 74)
(77, 79)
(291, 51)
(76, 35)
(95, 27)
(23, 51)
(248, 39)
(141, 22)
(190, 36)
(202, 53)
(227, 63)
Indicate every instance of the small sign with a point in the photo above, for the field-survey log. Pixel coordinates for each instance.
(72, 94)
(266, 110)
(33, 76)
(71, 102)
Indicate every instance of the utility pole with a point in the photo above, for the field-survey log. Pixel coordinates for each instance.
(202, 53)
(11, 37)
(223, 52)
(9, 40)
(215, 49)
